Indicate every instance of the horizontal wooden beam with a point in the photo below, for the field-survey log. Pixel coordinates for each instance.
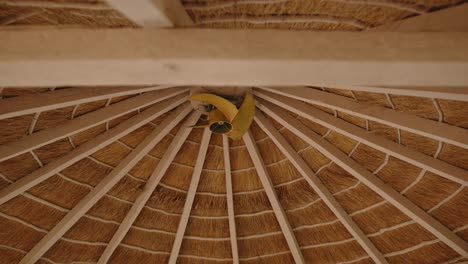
(105, 185)
(86, 149)
(59, 5)
(273, 198)
(366, 177)
(319, 188)
(369, 138)
(418, 125)
(87, 121)
(230, 57)
(150, 186)
(34, 103)
(184, 219)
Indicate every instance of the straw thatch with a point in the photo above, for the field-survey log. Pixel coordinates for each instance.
(321, 236)
(319, 233)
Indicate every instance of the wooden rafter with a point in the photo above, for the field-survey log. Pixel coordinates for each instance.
(227, 57)
(197, 170)
(387, 146)
(418, 125)
(153, 13)
(105, 185)
(86, 149)
(271, 193)
(370, 180)
(150, 186)
(230, 201)
(84, 122)
(319, 188)
(30, 104)
(447, 93)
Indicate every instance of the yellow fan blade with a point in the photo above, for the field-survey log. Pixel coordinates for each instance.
(244, 118)
(227, 108)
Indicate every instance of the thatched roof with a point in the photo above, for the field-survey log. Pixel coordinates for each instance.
(119, 171)
(28, 217)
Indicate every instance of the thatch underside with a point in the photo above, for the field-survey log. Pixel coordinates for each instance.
(322, 237)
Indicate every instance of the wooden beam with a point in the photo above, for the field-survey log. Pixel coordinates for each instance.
(418, 125)
(34, 103)
(88, 148)
(230, 201)
(274, 201)
(150, 186)
(319, 188)
(153, 13)
(368, 137)
(366, 177)
(452, 19)
(105, 185)
(230, 57)
(197, 170)
(87, 121)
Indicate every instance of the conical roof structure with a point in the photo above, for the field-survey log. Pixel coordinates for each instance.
(347, 174)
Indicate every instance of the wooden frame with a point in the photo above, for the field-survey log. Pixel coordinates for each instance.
(105, 185)
(230, 201)
(388, 147)
(228, 57)
(418, 125)
(271, 193)
(320, 188)
(101, 141)
(87, 121)
(370, 180)
(150, 186)
(190, 196)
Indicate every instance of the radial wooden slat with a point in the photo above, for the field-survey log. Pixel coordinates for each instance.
(319, 188)
(392, 148)
(272, 197)
(105, 185)
(230, 201)
(30, 104)
(421, 126)
(84, 122)
(86, 149)
(150, 186)
(197, 170)
(373, 182)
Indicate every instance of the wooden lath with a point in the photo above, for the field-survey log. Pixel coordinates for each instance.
(150, 186)
(230, 201)
(153, 13)
(105, 185)
(370, 180)
(86, 149)
(418, 125)
(227, 57)
(272, 197)
(387, 146)
(197, 170)
(319, 188)
(87, 121)
(30, 104)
